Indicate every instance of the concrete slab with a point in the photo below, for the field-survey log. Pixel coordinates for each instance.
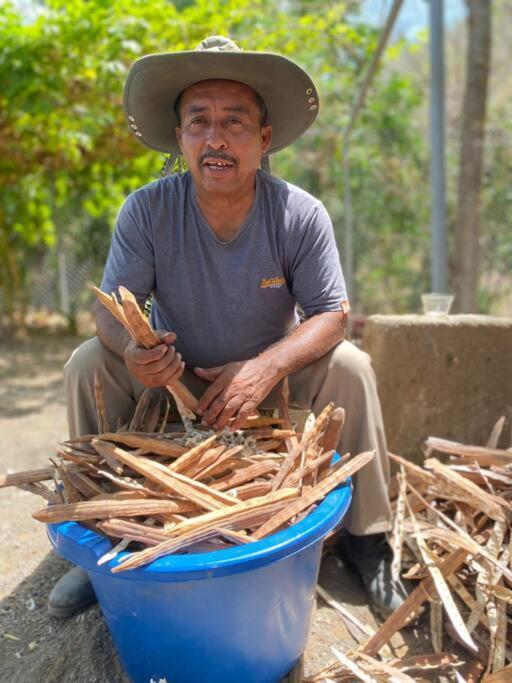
(448, 376)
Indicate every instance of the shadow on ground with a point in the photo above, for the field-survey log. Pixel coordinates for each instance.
(37, 647)
(31, 373)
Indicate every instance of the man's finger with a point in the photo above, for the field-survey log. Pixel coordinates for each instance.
(215, 409)
(209, 374)
(144, 356)
(245, 410)
(166, 337)
(163, 363)
(208, 396)
(172, 367)
(176, 374)
(229, 410)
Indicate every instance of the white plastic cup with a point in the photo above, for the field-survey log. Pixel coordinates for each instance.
(436, 304)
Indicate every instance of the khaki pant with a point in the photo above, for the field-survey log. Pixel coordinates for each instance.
(343, 376)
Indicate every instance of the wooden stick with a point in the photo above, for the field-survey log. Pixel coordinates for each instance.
(346, 614)
(209, 470)
(252, 490)
(52, 497)
(332, 435)
(209, 491)
(317, 492)
(412, 468)
(313, 466)
(170, 481)
(139, 328)
(385, 668)
(191, 456)
(283, 397)
(412, 604)
(27, 477)
(86, 485)
(111, 303)
(101, 408)
(244, 475)
(480, 453)
(494, 437)
(503, 676)
(397, 535)
(348, 663)
(442, 589)
(267, 433)
(427, 662)
(152, 444)
(131, 485)
(140, 412)
(223, 465)
(70, 494)
(258, 421)
(125, 528)
(205, 522)
(268, 444)
(209, 457)
(84, 510)
(458, 537)
(152, 417)
(480, 499)
(316, 433)
(286, 467)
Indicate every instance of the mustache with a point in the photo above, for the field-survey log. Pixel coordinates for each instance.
(222, 156)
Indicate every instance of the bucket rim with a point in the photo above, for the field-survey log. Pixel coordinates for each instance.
(84, 547)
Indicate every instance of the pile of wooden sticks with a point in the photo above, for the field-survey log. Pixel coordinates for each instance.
(188, 488)
(452, 534)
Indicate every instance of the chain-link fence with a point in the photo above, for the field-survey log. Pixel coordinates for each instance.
(59, 282)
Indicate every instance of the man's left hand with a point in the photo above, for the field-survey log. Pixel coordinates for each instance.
(236, 389)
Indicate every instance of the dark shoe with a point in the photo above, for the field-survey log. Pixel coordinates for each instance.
(72, 593)
(370, 556)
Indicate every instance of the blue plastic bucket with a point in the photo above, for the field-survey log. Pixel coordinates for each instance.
(240, 615)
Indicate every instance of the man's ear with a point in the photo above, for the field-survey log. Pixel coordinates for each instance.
(266, 138)
(178, 136)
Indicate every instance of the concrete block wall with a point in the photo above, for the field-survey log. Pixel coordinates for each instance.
(447, 376)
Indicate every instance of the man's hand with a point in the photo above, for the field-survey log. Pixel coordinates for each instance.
(156, 367)
(237, 389)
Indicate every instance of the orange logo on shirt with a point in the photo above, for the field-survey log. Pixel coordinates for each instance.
(272, 282)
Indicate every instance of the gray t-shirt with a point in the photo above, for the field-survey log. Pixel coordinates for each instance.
(226, 301)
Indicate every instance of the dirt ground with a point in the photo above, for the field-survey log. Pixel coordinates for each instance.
(36, 647)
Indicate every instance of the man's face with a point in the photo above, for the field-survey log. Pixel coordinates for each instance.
(221, 136)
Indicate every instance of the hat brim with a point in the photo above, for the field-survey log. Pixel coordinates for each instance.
(155, 81)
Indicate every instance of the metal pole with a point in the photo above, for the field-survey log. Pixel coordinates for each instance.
(348, 249)
(437, 163)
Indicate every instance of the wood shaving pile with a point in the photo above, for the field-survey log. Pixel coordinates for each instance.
(452, 534)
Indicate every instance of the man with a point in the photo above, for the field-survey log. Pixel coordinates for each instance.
(227, 252)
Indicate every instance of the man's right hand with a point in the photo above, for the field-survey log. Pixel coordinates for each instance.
(156, 367)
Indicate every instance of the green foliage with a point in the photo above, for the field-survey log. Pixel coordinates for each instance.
(496, 243)
(67, 159)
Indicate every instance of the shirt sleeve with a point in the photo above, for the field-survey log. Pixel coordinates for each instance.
(316, 277)
(131, 261)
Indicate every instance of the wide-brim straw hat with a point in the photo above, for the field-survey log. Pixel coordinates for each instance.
(155, 81)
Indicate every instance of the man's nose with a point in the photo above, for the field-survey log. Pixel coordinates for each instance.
(215, 137)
